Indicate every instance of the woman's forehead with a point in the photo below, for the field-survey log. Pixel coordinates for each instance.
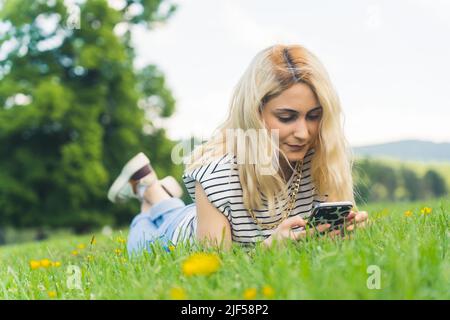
(299, 97)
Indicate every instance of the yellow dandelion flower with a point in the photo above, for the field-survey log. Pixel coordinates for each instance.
(201, 264)
(425, 210)
(171, 248)
(45, 263)
(81, 246)
(408, 213)
(51, 294)
(56, 264)
(121, 240)
(74, 252)
(34, 264)
(118, 251)
(250, 294)
(268, 291)
(177, 293)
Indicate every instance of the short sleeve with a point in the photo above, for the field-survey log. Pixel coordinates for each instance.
(220, 181)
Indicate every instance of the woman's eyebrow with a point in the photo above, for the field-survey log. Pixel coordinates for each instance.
(286, 109)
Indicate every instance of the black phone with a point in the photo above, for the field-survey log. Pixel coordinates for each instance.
(334, 213)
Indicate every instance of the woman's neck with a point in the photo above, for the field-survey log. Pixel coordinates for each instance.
(285, 169)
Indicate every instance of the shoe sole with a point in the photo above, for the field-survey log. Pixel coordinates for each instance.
(136, 163)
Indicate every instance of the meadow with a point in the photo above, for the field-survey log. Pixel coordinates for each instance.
(419, 167)
(402, 254)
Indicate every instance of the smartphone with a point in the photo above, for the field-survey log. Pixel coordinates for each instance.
(334, 213)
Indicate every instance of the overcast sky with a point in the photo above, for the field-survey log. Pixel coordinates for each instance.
(389, 60)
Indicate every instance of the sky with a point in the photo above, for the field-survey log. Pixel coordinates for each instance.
(388, 60)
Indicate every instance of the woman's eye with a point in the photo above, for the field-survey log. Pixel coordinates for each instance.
(314, 117)
(286, 119)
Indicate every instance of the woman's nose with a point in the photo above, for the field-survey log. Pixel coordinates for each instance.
(301, 130)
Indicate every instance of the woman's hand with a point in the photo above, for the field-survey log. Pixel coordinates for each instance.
(354, 221)
(284, 230)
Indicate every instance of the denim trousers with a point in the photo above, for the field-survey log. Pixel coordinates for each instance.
(156, 224)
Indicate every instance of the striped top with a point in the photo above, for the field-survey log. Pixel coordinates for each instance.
(220, 181)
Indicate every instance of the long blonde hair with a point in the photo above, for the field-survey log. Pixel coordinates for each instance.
(272, 71)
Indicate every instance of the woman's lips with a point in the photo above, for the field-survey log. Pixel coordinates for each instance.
(296, 147)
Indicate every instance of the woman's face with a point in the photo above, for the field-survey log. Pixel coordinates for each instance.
(297, 114)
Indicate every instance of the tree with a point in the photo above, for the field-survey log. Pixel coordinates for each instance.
(412, 184)
(434, 184)
(374, 181)
(72, 108)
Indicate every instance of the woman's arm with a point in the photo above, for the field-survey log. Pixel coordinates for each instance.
(212, 226)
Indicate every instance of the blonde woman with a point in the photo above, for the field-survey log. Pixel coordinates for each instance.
(280, 152)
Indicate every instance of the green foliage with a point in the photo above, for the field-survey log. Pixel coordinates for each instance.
(435, 184)
(73, 111)
(376, 180)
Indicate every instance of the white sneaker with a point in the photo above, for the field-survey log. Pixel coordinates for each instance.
(136, 176)
(137, 170)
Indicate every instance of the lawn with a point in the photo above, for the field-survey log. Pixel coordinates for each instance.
(399, 256)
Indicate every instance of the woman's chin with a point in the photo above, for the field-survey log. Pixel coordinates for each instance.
(295, 155)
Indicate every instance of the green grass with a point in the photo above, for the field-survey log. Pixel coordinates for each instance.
(411, 253)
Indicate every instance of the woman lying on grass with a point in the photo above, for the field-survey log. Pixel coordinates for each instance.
(280, 152)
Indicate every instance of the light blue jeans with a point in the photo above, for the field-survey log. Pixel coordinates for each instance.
(158, 223)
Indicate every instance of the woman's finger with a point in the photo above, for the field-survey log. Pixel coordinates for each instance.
(334, 233)
(358, 225)
(361, 216)
(319, 229)
(351, 215)
(293, 222)
(310, 231)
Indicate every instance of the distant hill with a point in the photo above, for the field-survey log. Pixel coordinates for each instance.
(407, 150)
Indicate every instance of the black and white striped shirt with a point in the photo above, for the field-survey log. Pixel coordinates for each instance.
(220, 181)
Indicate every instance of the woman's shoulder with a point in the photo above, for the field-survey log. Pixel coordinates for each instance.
(219, 179)
(217, 167)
